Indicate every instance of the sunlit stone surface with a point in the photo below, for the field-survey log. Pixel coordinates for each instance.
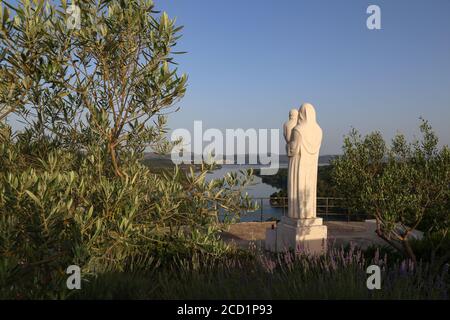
(301, 230)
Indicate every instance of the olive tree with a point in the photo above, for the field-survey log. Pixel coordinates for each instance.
(72, 190)
(402, 185)
(103, 82)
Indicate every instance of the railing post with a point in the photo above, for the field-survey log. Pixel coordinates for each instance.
(343, 210)
(261, 205)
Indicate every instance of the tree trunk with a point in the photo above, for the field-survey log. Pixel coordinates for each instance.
(112, 151)
(408, 250)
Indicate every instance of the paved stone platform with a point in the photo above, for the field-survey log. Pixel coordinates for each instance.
(339, 233)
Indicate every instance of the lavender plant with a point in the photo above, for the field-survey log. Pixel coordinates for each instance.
(340, 274)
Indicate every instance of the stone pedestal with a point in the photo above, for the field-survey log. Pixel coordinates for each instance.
(301, 235)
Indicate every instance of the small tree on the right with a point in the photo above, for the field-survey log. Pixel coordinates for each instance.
(404, 186)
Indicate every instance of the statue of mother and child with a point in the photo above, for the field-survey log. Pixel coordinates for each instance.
(301, 227)
(303, 138)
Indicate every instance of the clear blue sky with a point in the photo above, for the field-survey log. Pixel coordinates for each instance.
(250, 61)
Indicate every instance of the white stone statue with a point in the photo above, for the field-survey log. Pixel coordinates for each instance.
(303, 152)
(301, 230)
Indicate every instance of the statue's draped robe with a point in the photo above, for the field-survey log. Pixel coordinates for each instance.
(288, 127)
(293, 205)
(304, 149)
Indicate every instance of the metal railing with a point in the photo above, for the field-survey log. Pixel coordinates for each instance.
(328, 208)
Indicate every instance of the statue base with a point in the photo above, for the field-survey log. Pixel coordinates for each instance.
(301, 235)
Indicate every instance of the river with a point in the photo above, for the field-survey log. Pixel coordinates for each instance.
(259, 191)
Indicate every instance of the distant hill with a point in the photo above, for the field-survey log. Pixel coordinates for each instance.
(283, 159)
(152, 155)
(325, 159)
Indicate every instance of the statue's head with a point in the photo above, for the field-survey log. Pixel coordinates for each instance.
(311, 133)
(293, 114)
(307, 113)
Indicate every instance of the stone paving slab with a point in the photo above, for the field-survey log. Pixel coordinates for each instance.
(340, 233)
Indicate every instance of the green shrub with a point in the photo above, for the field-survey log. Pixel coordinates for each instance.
(62, 210)
(433, 248)
(72, 188)
(404, 186)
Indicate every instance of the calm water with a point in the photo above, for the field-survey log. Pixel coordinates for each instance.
(257, 190)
